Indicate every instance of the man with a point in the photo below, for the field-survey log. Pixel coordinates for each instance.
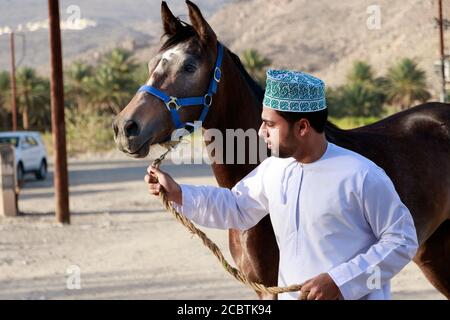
(340, 225)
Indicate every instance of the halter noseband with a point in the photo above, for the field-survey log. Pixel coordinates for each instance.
(173, 104)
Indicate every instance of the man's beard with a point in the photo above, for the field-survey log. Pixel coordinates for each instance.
(287, 150)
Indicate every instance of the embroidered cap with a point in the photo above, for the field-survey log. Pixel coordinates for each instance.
(294, 91)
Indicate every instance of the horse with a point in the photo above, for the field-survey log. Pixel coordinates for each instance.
(412, 146)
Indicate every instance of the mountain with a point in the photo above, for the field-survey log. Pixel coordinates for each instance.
(130, 23)
(322, 37)
(325, 37)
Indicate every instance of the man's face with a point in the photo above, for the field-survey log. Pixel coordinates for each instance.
(277, 133)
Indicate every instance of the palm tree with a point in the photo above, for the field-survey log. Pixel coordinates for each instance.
(361, 96)
(362, 100)
(4, 87)
(26, 82)
(255, 64)
(40, 113)
(78, 75)
(120, 60)
(114, 81)
(361, 72)
(141, 75)
(34, 97)
(406, 84)
(4, 97)
(335, 103)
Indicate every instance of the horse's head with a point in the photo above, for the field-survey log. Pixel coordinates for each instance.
(183, 67)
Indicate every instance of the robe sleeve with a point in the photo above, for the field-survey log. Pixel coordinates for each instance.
(393, 226)
(242, 207)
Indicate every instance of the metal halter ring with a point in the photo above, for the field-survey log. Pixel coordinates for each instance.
(172, 103)
(208, 100)
(217, 74)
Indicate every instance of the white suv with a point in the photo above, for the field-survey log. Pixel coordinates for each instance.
(30, 153)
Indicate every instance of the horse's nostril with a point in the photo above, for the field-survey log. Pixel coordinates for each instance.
(131, 128)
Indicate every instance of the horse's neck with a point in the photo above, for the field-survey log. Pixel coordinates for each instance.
(236, 107)
(235, 104)
(336, 135)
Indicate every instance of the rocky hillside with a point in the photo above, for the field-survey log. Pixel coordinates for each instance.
(324, 37)
(130, 23)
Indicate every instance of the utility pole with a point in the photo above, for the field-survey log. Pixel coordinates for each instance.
(13, 82)
(441, 51)
(58, 125)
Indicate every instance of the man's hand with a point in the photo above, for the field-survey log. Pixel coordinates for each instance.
(158, 179)
(321, 287)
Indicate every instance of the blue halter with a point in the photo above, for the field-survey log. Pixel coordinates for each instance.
(173, 104)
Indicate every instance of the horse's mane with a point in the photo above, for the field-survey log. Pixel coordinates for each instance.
(332, 131)
(332, 127)
(254, 86)
(186, 31)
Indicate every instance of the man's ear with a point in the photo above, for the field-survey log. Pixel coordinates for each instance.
(302, 127)
(171, 24)
(201, 26)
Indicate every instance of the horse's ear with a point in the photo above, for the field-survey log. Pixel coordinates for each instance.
(203, 29)
(170, 23)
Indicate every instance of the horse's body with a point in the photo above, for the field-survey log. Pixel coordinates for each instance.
(413, 147)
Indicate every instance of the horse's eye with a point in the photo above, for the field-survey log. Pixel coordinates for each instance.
(164, 61)
(189, 68)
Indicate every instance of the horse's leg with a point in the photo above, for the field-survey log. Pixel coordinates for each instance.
(255, 252)
(433, 258)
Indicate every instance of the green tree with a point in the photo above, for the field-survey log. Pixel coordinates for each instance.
(33, 98)
(26, 83)
(334, 103)
(361, 72)
(78, 75)
(114, 82)
(255, 65)
(361, 96)
(40, 115)
(406, 84)
(362, 101)
(121, 60)
(140, 76)
(5, 97)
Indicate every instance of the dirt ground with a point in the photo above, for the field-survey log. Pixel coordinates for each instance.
(122, 243)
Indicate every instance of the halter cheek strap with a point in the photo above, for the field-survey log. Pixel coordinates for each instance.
(173, 104)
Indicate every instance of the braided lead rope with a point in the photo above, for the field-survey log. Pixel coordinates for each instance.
(237, 274)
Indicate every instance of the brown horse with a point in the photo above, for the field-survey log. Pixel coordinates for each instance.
(413, 146)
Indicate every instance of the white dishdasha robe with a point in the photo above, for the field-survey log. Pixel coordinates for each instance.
(340, 214)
